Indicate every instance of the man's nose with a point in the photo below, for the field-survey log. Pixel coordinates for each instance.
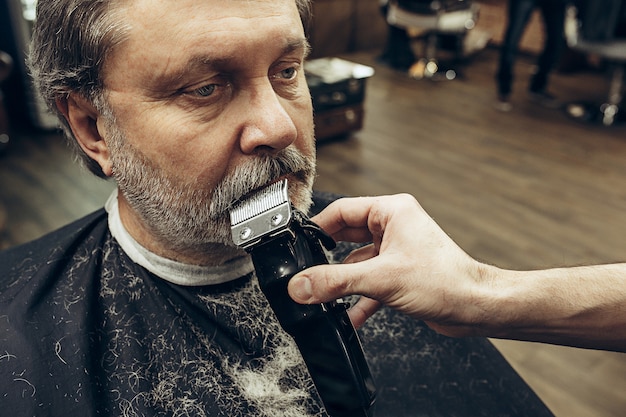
(267, 124)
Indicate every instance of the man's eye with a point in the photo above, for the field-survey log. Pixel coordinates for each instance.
(288, 73)
(205, 91)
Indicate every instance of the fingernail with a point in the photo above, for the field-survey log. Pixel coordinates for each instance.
(301, 289)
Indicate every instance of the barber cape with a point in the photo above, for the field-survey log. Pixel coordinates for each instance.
(88, 328)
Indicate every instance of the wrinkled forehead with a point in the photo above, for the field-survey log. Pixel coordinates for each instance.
(181, 22)
(206, 9)
(165, 36)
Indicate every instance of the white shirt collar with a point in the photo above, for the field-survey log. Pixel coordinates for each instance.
(167, 269)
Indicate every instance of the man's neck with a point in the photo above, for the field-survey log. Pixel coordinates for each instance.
(216, 265)
(206, 254)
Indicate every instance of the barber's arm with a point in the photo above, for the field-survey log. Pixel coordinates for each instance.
(413, 266)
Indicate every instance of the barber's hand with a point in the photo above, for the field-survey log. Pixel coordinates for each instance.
(412, 265)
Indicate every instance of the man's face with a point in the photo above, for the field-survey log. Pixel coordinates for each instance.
(208, 95)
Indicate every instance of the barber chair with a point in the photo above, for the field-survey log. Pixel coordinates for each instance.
(436, 18)
(590, 28)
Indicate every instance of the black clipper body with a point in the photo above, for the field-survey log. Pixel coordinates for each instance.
(323, 332)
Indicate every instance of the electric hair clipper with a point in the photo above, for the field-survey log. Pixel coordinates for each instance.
(282, 241)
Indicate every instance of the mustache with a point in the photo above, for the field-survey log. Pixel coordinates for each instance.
(254, 174)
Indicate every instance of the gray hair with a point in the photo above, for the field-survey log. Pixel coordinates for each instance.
(71, 41)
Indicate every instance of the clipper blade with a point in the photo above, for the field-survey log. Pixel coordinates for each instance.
(263, 213)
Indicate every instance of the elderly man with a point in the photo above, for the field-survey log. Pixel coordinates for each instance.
(147, 308)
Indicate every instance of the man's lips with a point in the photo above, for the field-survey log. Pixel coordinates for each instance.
(289, 177)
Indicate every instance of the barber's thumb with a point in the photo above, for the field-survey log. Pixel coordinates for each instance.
(312, 286)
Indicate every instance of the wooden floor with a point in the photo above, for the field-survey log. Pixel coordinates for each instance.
(525, 189)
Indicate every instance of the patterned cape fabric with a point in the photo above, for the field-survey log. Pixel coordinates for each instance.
(85, 332)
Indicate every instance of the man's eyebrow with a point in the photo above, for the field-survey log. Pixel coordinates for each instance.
(298, 44)
(171, 79)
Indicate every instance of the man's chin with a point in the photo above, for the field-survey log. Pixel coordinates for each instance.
(301, 195)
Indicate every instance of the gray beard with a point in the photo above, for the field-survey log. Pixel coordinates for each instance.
(188, 217)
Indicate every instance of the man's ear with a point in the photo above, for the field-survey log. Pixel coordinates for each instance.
(84, 120)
